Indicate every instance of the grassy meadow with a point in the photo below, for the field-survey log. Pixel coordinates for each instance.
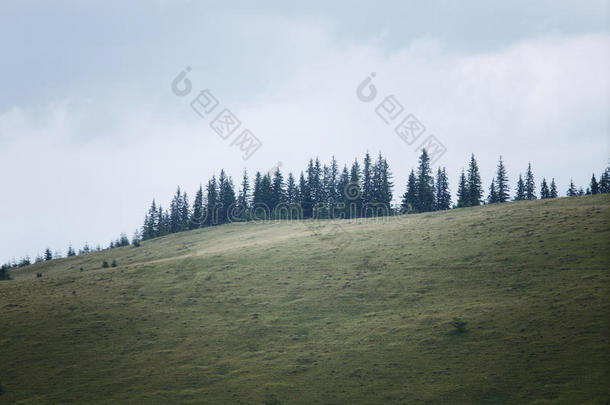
(325, 312)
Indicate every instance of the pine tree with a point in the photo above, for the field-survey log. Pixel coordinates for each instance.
(175, 212)
(544, 190)
(367, 181)
(530, 186)
(341, 208)
(553, 191)
(425, 184)
(244, 195)
(581, 192)
(492, 198)
(305, 196)
(71, 251)
(473, 181)
(604, 182)
(277, 189)
(212, 202)
(594, 186)
(409, 198)
(291, 190)
(463, 199)
(332, 190)
(520, 194)
(226, 197)
(48, 255)
(572, 190)
(196, 220)
(149, 230)
(184, 213)
(354, 191)
(163, 222)
(382, 185)
(443, 196)
(502, 188)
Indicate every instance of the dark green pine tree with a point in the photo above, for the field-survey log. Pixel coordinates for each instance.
(212, 202)
(175, 212)
(197, 219)
(544, 190)
(185, 213)
(383, 186)
(150, 230)
(572, 192)
(226, 198)
(48, 255)
(341, 207)
(425, 184)
(277, 190)
(604, 182)
(473, 182)
(442, 194)
(353, 193)
(553, 192)
(530, 186)
(594, 185)
(520, 193)
(292, 192)
(492, 198)
(314, 185)
(305, 197)
(409, 198)
(367, 181)
(71, 251)
(332, 189)
(463, 198)
(243, 198)
(502, 187)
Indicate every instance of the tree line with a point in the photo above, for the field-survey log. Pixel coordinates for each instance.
(326, 191)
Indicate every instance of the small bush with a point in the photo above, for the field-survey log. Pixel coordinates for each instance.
(105, 264)
(1, 389)
(81, 269)
(38, 275)
(459, 324)
(114, 263)
(136, 243)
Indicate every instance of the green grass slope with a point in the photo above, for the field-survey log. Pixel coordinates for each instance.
(344, 312)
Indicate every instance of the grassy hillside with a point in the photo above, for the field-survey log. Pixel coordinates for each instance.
(346, 312)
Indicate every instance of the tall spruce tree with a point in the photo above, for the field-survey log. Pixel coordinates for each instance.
(409, 198)
(492, 198)
(425, 184)
(463, 199)
(212, 202)
(572, 190)
(367, 181)
(443, 196)
(185, 213)
(305, 196)
(291, 190)
(594, 185)
(502, 187)
(354, 191)
(341, 208)
(604, 182)
(196, 220)
(553, 191)
(277, 189)
(175, 212)
(530, 185)
(226, 198)
(473, 181)
(382, 185)
(243, 198)
(520, 193)
(544, 190)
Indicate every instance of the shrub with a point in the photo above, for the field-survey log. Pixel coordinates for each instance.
(459, 324)
(114, 263)
(105, 264)
(38, 275)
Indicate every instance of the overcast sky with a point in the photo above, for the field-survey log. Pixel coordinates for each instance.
(90, 130)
